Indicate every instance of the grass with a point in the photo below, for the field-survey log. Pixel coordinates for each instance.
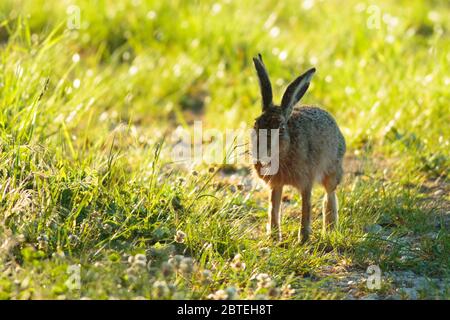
(87, 115)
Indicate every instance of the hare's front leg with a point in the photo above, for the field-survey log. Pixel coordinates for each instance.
(305, 230)
(273, 227)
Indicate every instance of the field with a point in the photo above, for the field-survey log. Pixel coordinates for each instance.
(94, 206)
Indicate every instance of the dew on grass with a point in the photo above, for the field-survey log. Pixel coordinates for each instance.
(390, 38)
(390, 20)
(434, 16)
(283, 55)
(349, 90)
(76, 58)
(19, 71)
(427, 79)
(313, 60)
(133, 70)
(195, 43)
(216, 8)
(176, 70)
(338, 63)
(151, 15)
(270, 21)
(76, 83)
(274, 32)
(308, 4)
(279, 82)
(360, 7)
(126, 56)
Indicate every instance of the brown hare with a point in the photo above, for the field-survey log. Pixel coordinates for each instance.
(310, 148)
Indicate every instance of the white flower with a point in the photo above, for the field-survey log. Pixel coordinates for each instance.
(206, 276)
(231, 293)
(237, 264)
(287, 291)
(176, 261)
(180, 236)
(187, 265)
(138, 261)
(161, 289)
(218, 295)
(264, 280)
(73, 239)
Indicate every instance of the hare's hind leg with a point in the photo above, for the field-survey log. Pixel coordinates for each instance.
(273, 227)
(330, 211)
(330, 202)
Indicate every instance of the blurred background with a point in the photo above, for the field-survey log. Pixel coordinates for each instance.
(382, 65)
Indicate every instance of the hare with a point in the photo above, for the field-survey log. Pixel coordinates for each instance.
(310, 149)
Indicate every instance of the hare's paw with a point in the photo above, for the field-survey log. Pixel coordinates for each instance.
(304, 234)
(274, 233)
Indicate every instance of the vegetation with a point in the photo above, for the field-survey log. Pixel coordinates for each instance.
(87, 181)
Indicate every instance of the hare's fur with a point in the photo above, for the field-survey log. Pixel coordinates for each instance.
(311, 149)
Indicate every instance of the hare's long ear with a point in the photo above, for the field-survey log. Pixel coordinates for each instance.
(295, 91)
(264, 82)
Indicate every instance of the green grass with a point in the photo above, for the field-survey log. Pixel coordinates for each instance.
(86, 176)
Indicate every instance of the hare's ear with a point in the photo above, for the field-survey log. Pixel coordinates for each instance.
(295, 91)
(264, 82)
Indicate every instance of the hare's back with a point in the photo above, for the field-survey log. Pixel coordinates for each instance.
(315, 130)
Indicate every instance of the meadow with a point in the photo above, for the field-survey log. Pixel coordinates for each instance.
(93, 206)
